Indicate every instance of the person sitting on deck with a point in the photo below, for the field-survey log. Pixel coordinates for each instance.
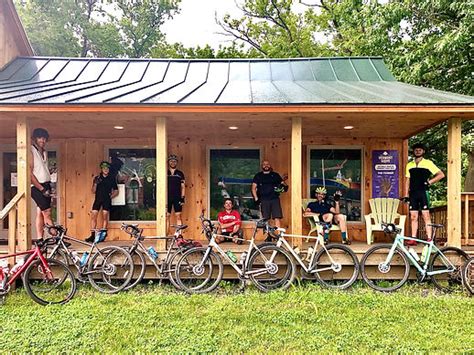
(327, 213)
(229, 223)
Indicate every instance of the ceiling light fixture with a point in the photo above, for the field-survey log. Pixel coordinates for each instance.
(348, 127)
(118, 127)
(233, 128)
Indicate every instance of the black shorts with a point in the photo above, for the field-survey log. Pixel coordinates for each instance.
(41, 200)
(105, 203)
(271, 209)
(174, 203)
(419, 200)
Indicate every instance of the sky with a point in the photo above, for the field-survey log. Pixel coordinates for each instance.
(196, 25)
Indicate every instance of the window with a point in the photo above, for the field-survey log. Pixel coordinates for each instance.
(136, 179)
(231, 175)
(338, 169)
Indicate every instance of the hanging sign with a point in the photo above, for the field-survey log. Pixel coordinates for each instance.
(385, 177)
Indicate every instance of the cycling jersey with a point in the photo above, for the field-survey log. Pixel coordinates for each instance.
(420, 173)
(174, 184)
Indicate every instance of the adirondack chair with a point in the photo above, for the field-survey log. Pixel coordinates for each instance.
(311, 219)
(383, 210)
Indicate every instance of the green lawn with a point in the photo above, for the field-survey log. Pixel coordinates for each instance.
(306, 318)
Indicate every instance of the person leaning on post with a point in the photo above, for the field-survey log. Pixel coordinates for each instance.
(327, 213)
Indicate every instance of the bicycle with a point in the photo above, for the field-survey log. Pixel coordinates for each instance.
(164, 268)
(334, 266)
(108, 269)
(47, 281)
(200, 270)
(468, 275)
(442, 266)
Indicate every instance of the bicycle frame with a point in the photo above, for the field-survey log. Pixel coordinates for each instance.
(33, 254)
(398, 243)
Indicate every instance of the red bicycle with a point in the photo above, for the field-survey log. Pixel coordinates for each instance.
(47, 281)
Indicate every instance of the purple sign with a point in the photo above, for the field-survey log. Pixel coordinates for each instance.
(385, 175)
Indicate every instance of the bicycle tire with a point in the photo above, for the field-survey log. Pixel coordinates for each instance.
(384, 283)
(139, 268)
(170, 267)
(34, 274)
(193, 279)
(271, 277)
(113, 278)
(345, 262)
(468, 276)
(448, 282)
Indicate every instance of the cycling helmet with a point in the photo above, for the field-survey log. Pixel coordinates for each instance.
(40, 133)
(321, 190)
(172, 157)
(104, 164)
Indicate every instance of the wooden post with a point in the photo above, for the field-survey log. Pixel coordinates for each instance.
(404, 192)
(454, 182)
(12, 235)
(23, 145)
(161, 180)
(296, 179)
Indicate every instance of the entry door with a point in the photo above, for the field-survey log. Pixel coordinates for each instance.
(9, 186)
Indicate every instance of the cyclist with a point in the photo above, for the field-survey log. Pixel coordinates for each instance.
(104, 186)
(418, 180)
(40, 179)
(176, 190)
(327, 213)
(229, 223)
(266, 188)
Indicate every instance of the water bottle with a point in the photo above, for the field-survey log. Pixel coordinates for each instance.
(414, 254)
(17, 266)
(297, 250)
(75, 257)
(231, 255)
(320, 239)
(310, 253)
(243, 256)
(84, 258)
(153, 253)
(424, 254)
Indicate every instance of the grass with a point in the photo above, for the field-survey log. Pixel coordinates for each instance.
(305, 319)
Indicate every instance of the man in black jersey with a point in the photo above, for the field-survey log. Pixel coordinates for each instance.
(266, 188)
(176, 190)
(420, 174)
(104, 186)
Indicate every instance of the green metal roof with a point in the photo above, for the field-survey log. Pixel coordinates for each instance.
(352, 80)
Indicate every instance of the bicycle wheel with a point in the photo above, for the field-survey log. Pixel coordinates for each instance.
(468, 276)
(45, 288)
(339, 267)
(442, 260)
(198, 273)
(139, 268)
(271, 268)
(110, 270)
(381, 276)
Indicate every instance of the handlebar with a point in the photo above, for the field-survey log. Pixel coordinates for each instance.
(390, 228)
(131, 229)
(57, 228)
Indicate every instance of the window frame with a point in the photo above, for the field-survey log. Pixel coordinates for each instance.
(106, 157)
(260, 149)
(362, 168)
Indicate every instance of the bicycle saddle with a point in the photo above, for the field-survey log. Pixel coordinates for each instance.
(179, 227)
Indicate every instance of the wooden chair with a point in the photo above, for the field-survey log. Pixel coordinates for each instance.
(383, 210)
(312, 219)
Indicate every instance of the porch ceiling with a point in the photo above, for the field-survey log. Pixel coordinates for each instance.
(207, 125)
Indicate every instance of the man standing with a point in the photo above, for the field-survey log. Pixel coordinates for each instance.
(266, 188)
(418, 180)
(176, 190)
(40, 180)
(327, 213)
(105, 188)
(229, 223)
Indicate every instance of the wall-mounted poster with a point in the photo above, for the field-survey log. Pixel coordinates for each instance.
(385, 177)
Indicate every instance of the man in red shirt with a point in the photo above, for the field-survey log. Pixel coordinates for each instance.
(229, 223)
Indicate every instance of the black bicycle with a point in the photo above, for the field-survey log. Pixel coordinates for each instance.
(108, 269)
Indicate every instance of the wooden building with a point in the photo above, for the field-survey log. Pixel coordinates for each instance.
(320, 120)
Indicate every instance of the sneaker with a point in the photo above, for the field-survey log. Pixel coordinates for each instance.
(346, 241)
(269, 239)
(410, 242)
(90, 239)
(326, 241)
